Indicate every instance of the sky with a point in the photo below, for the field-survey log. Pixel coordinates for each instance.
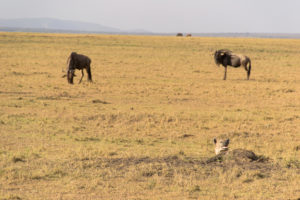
(165, 16)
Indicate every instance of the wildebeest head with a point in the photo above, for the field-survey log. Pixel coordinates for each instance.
(70, 75)
(220, 55)
(71, 70)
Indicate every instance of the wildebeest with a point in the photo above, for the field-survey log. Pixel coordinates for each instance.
(228, 58)
(179, 35)
(78, 61)
(189, 35)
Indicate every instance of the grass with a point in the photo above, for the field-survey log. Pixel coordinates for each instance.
(146, 125)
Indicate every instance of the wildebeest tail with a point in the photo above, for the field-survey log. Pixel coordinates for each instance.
(249, 70)
(89, 72)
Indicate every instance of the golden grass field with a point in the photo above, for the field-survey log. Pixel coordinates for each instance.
(144, 128)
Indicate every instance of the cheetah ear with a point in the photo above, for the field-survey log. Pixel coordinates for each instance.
(215, 140)
(227, 142)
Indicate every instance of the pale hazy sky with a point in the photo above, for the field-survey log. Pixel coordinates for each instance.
(280, 16)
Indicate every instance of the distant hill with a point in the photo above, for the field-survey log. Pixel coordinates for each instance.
(50, 25)
(53, 25)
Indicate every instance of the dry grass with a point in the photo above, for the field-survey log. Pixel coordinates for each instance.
(144, 129)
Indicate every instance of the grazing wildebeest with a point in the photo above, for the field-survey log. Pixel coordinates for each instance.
(221, 145)
(78, 61)
(189, 35)
(226, 57)
(179, 35)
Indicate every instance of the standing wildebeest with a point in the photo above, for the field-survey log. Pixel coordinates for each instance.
(78, 61)
(226, 57)
(179, 34)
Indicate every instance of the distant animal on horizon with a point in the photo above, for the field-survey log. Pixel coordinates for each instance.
(179, 35)
(189, 35)
(78, 61)
(228, 58)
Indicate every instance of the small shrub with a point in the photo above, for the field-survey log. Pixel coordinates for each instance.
(293, 164)
(195, 188)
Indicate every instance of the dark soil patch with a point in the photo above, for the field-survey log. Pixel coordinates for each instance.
(186, 136)
(18, 159)
(172, 161)
(169, 166)
(100, 101)
(241, 158)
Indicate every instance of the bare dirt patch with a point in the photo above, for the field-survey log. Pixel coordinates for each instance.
(238, 158)
(242, 158)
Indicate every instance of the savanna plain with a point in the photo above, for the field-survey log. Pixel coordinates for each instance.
(144, 128)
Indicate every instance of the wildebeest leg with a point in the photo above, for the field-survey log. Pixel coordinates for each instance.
(225, 73)
(248, 73)
(81, 76)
